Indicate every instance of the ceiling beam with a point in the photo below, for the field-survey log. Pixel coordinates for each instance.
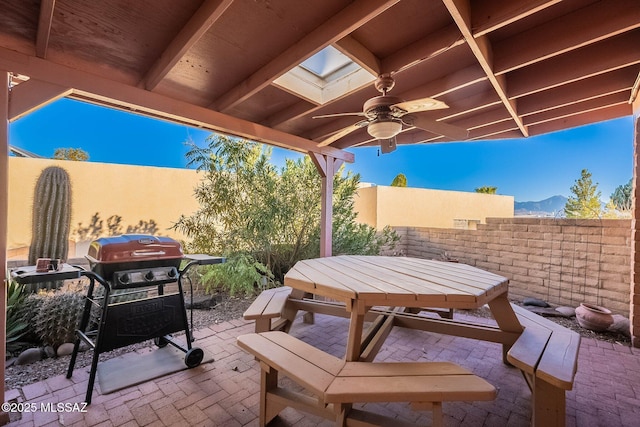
(612, 54)
(44, 27)
(490, 15)
(460, 11)
(590, 24)
(282, 118)
(208, 13)
(581, 90)
(486, 118)
(601, 115)
(449, 83)
(332, 30)
(33, 94)
(107, 92)
(578, 108)
(359, 54)
(426, 48)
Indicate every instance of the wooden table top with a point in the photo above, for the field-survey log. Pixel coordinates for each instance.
(396, 281)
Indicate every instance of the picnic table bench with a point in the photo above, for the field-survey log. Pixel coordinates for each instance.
(268, 309)
(547, 355)
(336, 384)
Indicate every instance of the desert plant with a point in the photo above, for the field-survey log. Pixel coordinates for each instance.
(240, 274)
(58, 317)
(26, 313)
(51, 215)
(16, 326)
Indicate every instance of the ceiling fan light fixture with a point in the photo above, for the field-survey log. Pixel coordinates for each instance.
(384, 130)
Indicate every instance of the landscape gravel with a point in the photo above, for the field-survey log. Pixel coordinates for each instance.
(19, 376)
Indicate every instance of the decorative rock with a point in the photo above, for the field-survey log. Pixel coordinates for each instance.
(543, 311)
(593, 317)
(65, 349)
(566, 311)
(49, 351)
(29, 356)
(621, 325)
(535, 302)
(202, 302)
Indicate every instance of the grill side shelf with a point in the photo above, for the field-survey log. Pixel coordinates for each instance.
(28, 274)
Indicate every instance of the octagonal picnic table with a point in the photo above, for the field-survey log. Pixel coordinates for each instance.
(389, 291)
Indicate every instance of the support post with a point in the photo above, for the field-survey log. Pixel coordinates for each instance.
(327, 167)
(4, 212)
(634, 309)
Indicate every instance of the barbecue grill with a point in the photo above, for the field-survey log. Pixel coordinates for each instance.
(140, 296)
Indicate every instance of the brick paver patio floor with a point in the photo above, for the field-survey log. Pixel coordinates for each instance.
(225, 392)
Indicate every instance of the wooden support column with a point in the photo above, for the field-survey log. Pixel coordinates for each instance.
(327, 167)
(4, 211)
(634, 309)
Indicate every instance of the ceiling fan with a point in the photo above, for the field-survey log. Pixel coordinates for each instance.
(385, 116)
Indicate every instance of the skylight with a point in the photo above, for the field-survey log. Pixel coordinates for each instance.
(326, 62)
(327, 75)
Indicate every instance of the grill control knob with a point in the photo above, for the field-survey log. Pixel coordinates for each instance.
(125, 278)
(172, 273)
(149, 276)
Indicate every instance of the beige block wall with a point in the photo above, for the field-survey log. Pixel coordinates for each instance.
(133, 192)
(562, 261)
(379, 206)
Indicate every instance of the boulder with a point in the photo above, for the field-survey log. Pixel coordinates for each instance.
(65, 349)
(29, 356)
(535, 302)
(620, 325)
(566, 311)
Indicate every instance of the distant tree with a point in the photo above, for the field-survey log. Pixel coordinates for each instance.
(621, 196)
(486, 190)
(75, 154)
(399, 181)
(585, 201)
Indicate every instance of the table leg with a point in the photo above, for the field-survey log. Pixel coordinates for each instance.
(505, 318)
(356, 326)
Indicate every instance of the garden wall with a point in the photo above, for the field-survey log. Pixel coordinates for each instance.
(563, 261)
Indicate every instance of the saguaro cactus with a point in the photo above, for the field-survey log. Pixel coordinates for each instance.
(51, 215)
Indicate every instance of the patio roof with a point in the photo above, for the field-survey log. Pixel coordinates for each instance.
(505, 68)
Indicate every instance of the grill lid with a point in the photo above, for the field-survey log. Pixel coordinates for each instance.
(133, 248)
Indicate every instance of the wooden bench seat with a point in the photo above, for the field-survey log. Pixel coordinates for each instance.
(268, 309)
(336, 384)
(547, 355)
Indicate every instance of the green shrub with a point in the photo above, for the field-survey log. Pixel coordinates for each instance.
(264, 217)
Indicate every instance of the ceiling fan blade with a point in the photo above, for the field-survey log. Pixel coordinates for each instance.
(324, 116)
(342, 132)
(440, 128)
(422, 104)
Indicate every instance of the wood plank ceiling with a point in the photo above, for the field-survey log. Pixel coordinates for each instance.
(505, 68)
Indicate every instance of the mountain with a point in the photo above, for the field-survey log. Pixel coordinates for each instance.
(547, 207)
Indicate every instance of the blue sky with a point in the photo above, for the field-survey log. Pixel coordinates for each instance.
(529, 169)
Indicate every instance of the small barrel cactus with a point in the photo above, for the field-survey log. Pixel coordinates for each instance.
(58, 317)
(51, 215)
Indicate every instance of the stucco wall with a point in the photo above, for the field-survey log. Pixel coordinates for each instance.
(135, 193)
(563, 261)
(379, 206)
(143, 193)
